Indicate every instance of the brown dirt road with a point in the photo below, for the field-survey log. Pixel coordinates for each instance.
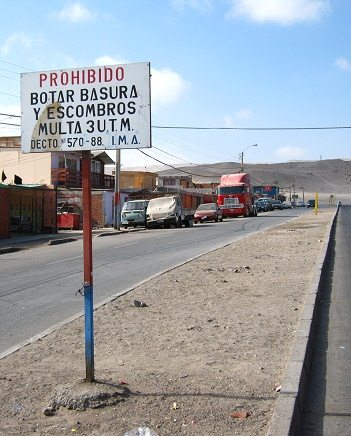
(203, 358)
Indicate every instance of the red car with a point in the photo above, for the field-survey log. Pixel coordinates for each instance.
(208, 212)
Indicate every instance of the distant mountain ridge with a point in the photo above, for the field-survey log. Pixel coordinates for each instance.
(325, 176)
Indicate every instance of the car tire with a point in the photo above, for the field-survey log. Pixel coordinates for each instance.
(179, 222)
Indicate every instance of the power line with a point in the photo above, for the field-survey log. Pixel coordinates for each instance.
(9, 124)
(15, 65)
(7, 77)
(228, 128)
(10, 115)
(175, 168)
(11, 95)
(251, 128)
(169, 154)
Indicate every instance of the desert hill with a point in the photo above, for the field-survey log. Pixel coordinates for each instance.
(324, 176)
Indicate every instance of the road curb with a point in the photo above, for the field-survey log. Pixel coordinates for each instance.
(6, 250)
(61, 241)
(287, 413)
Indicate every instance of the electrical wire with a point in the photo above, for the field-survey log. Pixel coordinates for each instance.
(16, 65)
(11, 95)
(169, 154)
(175, 168)
(9, 124)
(10, 115)
(229, 128)
(197, 128)
(252, 128)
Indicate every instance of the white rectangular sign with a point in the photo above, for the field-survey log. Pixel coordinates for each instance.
(96, 108)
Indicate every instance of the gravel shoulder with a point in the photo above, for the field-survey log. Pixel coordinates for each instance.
(203, 358)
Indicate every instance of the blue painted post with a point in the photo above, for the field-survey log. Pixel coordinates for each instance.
(89, 332)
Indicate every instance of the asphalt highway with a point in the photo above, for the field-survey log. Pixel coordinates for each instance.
(39, 287)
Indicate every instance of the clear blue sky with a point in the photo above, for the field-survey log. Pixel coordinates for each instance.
(215, 63)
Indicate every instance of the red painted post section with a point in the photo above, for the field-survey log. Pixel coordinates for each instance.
(87, 227)
(88, 267)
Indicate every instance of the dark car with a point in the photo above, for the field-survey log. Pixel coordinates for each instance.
(311, 203)
(208, 212)
(265, 204)
(277, 204)
(261, 206)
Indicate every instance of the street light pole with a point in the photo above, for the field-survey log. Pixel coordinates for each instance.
(242, 156)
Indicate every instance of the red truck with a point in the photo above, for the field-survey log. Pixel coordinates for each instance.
(235, 195)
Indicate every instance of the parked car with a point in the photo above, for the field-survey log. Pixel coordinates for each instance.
(311, 203)
(277, 204)
(267, 203)
(261, 206)
(300, 204)
(208, 212)
(134, 213)
(287, 205)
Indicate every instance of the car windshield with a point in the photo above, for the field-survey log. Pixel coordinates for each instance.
(134, 205)
(207, 206)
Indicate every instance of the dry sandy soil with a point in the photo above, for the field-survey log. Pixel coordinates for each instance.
(203, 358)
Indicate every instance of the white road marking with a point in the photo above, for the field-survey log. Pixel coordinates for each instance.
(65, 260)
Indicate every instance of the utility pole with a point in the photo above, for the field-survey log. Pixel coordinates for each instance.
(294, 194)
(241, 156)
(303, 194)
(276, 184)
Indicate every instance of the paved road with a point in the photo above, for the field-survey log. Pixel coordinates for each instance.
(38, 287)
(327, 408)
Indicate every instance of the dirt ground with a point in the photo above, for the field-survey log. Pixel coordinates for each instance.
(203, 358)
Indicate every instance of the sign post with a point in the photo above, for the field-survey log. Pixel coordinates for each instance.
(88, 268)
(83, 110)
